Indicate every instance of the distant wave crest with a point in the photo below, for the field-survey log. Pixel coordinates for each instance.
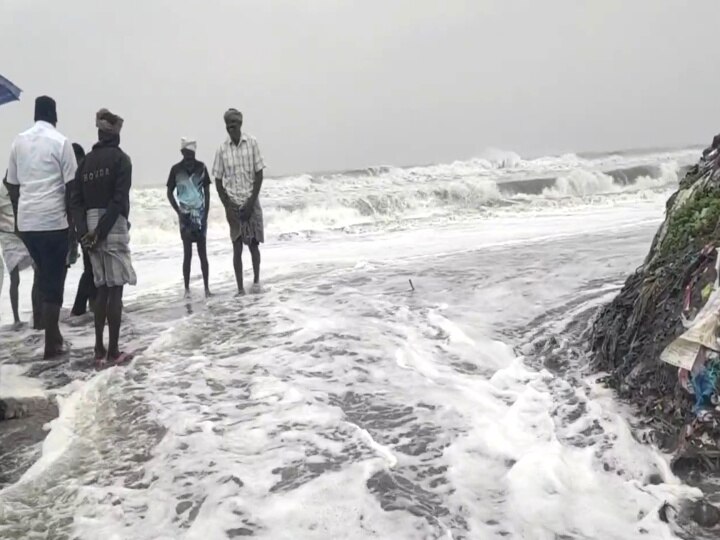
(381, 197)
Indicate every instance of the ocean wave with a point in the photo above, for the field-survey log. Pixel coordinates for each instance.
(585, 183)
(376, 198)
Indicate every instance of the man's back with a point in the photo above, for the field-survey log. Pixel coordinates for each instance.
(41, 163)
(106, 176)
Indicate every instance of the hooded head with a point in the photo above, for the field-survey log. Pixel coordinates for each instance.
(108, 124)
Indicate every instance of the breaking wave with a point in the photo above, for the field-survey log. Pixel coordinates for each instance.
(380, 197)
(585, 183)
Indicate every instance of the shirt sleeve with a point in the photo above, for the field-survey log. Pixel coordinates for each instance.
(67, 162)
(218, 169)
(12, 168)
(206, 180)
(121, 194)
(257, 157)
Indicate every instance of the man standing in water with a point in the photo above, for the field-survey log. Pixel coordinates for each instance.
(101, 207)
(86, 290)
(41, 164)
(188, 190)
(17, 257)
(238, 172)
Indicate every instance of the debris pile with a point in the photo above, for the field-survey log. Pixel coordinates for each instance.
(658, 339)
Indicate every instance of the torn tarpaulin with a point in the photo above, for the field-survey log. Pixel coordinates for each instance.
(684, 351)
(701, 308)
(697, 351)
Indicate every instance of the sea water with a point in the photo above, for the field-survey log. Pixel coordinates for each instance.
(384, 385)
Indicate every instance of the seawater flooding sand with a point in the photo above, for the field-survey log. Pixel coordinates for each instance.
(342, 404)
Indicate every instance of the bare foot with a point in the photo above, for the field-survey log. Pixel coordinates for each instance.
(241, 292)
(187, 294)
(100, 352)
(56, 350)
(119, 358)
(256, 288)
(208, 294)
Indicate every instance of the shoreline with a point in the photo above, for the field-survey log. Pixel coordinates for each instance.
(25, 418)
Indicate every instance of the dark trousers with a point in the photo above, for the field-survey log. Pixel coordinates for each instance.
(86, 288)
(48, 250)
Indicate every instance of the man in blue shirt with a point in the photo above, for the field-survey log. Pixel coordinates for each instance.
(188, 190)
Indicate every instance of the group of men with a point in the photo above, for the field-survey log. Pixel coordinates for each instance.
(54, 196)
(238, 171)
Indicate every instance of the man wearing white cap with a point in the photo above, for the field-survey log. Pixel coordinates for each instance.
(188, 190)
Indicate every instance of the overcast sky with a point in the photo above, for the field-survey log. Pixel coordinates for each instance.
(334, 84)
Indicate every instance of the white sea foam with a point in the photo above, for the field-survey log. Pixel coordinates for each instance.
(61, 429)
(377, 199)
(14, 383)
(341, 404)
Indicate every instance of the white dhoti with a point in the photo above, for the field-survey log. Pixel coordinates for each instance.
(14, 252)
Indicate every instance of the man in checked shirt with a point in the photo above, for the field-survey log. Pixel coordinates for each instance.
(238, 172)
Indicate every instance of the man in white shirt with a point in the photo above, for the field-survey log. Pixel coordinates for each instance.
(16, 256)
(238, 172)
(42, 162)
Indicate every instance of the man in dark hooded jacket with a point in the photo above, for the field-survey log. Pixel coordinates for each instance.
(101, 205)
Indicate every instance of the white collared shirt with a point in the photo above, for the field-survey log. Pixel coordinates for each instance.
(42, 161)
(236, 166)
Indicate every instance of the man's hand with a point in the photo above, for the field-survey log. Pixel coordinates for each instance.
(73, 254)
(247, 209)
(231, 210)
(89, 240)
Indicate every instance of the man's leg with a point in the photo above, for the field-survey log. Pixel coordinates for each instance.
(114, 317)
(31, 244)
(45, 250)
(53, 337)
(202, 253)
(52, 278)
(255, 252)
(14, 286)
(187, 258)
(101, 308)
(88, 271)
(237, 264)
(86, 287)
(81, 298)
(36, 298)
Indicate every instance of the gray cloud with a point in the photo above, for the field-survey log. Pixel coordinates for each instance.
(331, 84)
